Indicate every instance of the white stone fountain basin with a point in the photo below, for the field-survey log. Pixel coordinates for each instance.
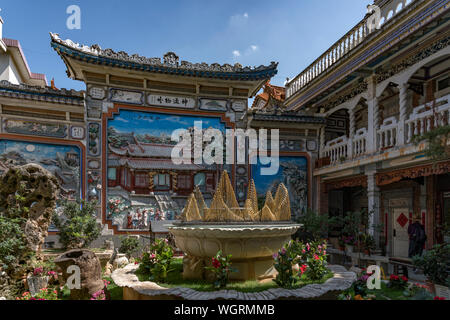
(250, 244)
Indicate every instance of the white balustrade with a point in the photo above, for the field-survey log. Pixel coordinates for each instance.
(359, 142)
(336, 149)
(427, 117)
(387, 134)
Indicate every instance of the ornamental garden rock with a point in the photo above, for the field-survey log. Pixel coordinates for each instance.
(90, 272)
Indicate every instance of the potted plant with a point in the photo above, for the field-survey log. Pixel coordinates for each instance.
(349, 243)
(368, 243)
(434, 264)
(37, 280)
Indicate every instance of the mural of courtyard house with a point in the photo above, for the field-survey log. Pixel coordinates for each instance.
(143, 182)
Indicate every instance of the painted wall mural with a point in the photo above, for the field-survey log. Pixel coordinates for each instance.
(293, 172)
(61, 160)
(143, 184)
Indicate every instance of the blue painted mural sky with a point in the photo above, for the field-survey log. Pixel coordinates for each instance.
(251, 32)
(158, 124)
(35, 152)
(264, 183)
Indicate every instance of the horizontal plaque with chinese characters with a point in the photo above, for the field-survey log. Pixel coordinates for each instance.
(171, 101)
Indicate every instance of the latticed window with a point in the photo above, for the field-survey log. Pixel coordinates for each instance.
(162, 180)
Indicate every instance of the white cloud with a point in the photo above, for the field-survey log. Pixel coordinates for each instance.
(236, 53)
(254, 47)
(238, 20)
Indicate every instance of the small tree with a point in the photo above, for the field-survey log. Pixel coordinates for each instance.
(77, 225)
(129, 245)
(315, 226)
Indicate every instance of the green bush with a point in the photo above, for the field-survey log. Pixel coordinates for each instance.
(156, 262)
(77, 226)
(284, 260)
(315, 226)
(129, 245)
(14, 252)
(314, 256)
(435, 263)
(221, 267)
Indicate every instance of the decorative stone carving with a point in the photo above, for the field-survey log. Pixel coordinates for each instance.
(90, 272)
(126, 96)
(239, 105)
(213, 105)
(77, 132)
(97, 93)
(39, 188)
(46, 129)
(94, 139)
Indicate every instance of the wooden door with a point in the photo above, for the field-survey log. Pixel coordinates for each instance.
(400, 237)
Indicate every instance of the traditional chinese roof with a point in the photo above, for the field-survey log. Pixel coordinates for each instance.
(151, 150)
(270, 91)
(153, 164)
(15, 49)
(169, 65)
(28, 92)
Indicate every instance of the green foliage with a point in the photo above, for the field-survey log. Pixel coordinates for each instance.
(313, 255)
(129, 245)
(315, 226)
(284, 260)
(435, 263)
(77, 226)
(311, 258)
(43, 294)
(13, 245)
(437, 140)
(221, 267)
(156, 262)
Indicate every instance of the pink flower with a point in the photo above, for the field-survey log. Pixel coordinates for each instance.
(316, 257)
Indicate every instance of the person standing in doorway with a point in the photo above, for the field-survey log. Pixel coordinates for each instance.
(417, 238)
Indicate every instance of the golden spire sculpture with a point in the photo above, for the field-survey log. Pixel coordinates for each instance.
(225, 208)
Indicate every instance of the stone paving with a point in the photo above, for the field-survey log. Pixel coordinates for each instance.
(341, 280)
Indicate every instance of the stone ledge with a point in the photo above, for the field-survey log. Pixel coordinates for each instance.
(147, 290)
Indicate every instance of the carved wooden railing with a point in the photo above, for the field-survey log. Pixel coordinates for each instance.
(427, 117)
(347, 43)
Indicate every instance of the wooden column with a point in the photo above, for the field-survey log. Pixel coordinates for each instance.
(431, 204)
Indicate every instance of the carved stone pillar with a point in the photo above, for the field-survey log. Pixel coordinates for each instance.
(322, 141)
(403, 107)
(373, 195)
(351, 132)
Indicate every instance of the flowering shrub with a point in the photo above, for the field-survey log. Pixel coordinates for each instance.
(156, 262)
(284, 260)
(314, 256)
(439, 298)
(43, 294)
(221, 267)
(398, 282)
(101, 294)
(38, 272)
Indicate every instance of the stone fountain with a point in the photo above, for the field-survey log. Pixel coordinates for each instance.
(250, 235)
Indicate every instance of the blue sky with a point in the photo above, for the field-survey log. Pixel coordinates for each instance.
(251, 32)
